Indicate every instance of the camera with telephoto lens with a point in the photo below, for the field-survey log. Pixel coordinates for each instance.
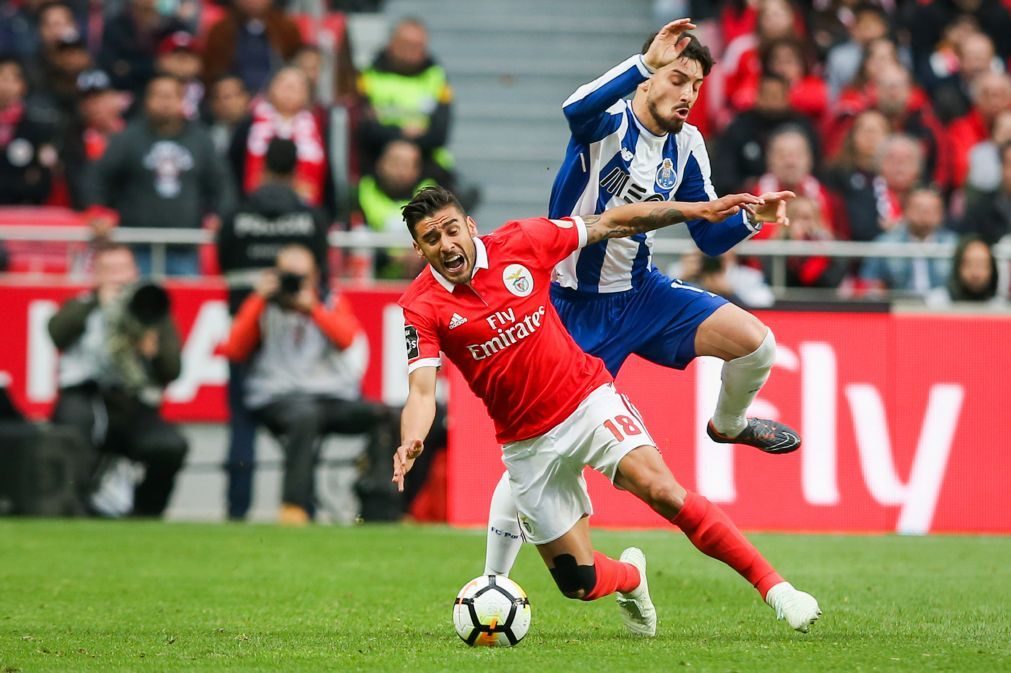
(142, 307)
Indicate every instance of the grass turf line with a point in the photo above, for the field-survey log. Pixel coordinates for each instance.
(128, 596)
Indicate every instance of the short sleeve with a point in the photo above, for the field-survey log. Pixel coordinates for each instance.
(421, 340)
(551, 241)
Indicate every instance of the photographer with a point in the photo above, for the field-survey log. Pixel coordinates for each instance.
(119, 351)
(307, 360)
(270, 218)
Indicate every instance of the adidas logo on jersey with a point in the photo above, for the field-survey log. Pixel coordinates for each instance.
(456, 321)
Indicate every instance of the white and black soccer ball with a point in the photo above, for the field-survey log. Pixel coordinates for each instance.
(491, 610)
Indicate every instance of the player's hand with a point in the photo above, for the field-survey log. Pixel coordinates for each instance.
(403, 460)
(668, 44)
(774, 208)
(723, 207)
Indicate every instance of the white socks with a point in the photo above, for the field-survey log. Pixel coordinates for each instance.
(504, 537)
(742, 379)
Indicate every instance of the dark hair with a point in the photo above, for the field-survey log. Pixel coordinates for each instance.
(226, 77)
(956, 290)
(791, 43)
(767, 76)
(871, 8)
(427, 202)
(281, 156)
(695, 51)
(159, 76)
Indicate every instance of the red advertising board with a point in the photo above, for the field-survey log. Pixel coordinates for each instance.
(28, 358)
(904, 418)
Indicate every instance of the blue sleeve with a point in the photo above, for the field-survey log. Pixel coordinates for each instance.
(586, 109)
(713, 238)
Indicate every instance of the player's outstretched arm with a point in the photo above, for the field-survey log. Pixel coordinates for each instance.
(415, 422)
(637, 218)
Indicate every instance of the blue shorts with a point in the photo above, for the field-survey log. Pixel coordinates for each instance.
(656, 321)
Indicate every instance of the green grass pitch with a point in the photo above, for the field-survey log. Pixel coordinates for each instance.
(126, 596)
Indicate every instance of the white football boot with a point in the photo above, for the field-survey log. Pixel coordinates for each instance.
(798, 608)
(637, 609)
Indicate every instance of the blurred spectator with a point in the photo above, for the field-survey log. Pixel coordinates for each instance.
(908, 111)
(306, 360)
(902, 170)
(99, 117)
(984, 157)
(407, 97)
(284, 113)
(228, 105)
(869, 22)
(788, 58)
(807, 224)
(55, 97)
(722, 275)
(855, 175)
(49, 23)
(923, 222)
(179, 57)
(272, 217)
(943, 63)
(859, 93)
(740, 149)
(741, 63)
(252, 41)
(790, 160)
(973, 276)
(161, 172)
(991, 95)
(952, 96)
(929, 20)
(118, 352)
(989, 215)
(380, 198)
(27, 155)
(130, 43)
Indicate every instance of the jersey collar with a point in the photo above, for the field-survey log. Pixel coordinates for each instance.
(480, 262)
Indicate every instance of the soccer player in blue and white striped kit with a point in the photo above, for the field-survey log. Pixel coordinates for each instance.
(610, 297)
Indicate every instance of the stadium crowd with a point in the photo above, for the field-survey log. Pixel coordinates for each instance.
(891, 120)
(157, 114)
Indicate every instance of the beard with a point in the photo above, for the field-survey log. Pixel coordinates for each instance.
(668, 124)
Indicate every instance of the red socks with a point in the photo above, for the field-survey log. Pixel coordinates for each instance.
(612, 576)
(715, 535)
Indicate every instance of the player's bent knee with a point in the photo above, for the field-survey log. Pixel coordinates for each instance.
(573, 580)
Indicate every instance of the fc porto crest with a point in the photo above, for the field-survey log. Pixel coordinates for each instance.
(665, 176)
(518, 280)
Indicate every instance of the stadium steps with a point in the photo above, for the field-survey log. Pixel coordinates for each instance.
(511, 65)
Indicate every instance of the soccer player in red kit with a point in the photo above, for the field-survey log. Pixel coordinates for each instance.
(484, 303)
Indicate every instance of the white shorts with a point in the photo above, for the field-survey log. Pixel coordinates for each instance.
(546, 472)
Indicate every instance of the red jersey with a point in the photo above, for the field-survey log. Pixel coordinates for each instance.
(501, 330)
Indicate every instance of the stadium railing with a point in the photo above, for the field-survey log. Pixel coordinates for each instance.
(364, 241)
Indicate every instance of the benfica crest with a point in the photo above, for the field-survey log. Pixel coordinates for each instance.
(518, 280)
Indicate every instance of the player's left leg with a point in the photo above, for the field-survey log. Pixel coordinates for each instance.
(748, 349)
(643, 473)
(504, 537)
(696, 322)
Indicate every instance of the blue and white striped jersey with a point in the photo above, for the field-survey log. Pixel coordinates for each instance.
(612, 159)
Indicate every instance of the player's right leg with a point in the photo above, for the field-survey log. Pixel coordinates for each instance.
(504, 535)
(586, 574)
(643, 473)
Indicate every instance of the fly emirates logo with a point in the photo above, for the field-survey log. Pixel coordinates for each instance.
(510, 331)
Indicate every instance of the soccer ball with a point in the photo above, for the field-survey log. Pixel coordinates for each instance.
(491, 610)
